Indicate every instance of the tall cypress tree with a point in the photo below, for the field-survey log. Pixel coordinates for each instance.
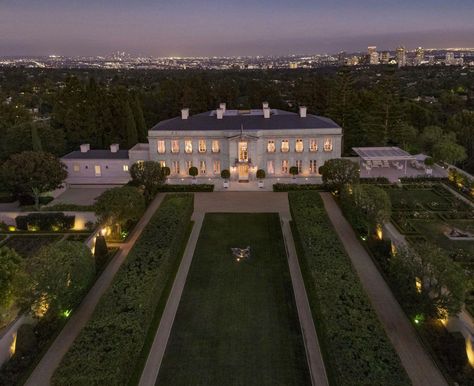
(130, 126)
(35, 139)
(140, 124)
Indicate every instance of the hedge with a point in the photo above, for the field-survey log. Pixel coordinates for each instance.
(53, 221)
(297, 187)
(186, 188)
(374, 180)
(410, 180)
(357, 350)
(109, 347)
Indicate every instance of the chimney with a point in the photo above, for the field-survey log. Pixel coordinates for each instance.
(222, 106)
(265, 105)
(220, 113)
(114, 148)
(185, 113)
(85, 147)
(303, 111)
(266, 113)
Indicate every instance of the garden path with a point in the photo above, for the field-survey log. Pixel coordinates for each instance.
(241, 202)
(43, 372)
(417, 363)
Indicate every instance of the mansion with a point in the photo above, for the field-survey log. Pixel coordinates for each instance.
(241, 141)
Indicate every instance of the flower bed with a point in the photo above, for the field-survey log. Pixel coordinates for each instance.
(354, 343)
(108, 348)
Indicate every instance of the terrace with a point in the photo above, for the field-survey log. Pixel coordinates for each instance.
(393, 163)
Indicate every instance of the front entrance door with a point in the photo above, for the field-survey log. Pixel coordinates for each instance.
(244, 172)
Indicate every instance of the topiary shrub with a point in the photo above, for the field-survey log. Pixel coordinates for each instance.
(101, 252)
(50, 221)
(166, 171)
(225, 174)
(26, 341)
(193, 171)
(260, 174)
(294, 171)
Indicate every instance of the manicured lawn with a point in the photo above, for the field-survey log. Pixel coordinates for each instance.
(29, 245)
(237, 321)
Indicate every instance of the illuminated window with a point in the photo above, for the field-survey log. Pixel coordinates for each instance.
(188, 146)
(202, 146)
(175, 167)
(313, 169)
(299, 165)
(202, 167)
(217, 166)
(161, 146)
(76, 168)
(98, 171)
(189, 165)
(243, 152)
(284, 166)
(216, 148)
(174, 146)
(125, 168)
(271, 146)
(271, 167)
(162, 164)
(299, 146)
(328, 144)
(313, 145)
(285, 146)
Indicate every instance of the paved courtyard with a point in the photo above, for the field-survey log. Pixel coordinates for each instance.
(79, 196)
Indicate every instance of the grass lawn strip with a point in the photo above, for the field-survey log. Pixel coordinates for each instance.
(237, 321)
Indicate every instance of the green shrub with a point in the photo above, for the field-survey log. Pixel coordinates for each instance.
(182, 188)
(101, 252)
(292, 187)
(26, 341)
(225, 174)
(374, 180)
(193, 171)
(260, 174)
(356, 346)
(50, 221)
(107, 350)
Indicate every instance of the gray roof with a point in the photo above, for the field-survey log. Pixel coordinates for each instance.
(97, 154)
(279, 119)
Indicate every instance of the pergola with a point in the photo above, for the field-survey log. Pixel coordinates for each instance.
(384, 157)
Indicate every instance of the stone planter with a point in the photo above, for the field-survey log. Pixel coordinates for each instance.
(260, 184)
(226, 184)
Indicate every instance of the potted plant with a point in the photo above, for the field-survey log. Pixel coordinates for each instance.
(294, 171)
(193, 172)
(429, 162)
(260, 176)
(225, 174)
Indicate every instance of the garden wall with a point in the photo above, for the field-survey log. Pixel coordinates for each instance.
(8, 338)
(80, 223)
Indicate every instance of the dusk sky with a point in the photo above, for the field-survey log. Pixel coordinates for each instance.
(225, 27)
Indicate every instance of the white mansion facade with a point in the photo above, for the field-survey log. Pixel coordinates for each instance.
(241, 141)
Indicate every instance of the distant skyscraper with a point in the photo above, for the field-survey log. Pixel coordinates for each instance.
(401, 56)
(450, 59)
(420, 56)
(373, 55)
(385, 57)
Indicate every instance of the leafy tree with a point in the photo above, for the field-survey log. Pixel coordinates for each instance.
(448, 151)
(118, 206)
(225, 174)
(405, 136)
(429, 137)
(437, 284)
(260, 174)
(61, 274)
(12, 280)
(463, 125)
(149, 175)
(374, 203)
(337, 173)
(33, 173)
(35, 139)
(140, 124)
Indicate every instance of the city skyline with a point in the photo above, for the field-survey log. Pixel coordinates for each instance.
(211, 28)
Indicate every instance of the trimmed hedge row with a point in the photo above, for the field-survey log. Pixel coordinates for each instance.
(53, 221)
(357, 349)
(297, 187)
(411, 180)
(374, 180)
(186, 188)
(108, 348)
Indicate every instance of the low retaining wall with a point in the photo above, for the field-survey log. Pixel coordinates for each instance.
(8, 337)
(79, 224)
